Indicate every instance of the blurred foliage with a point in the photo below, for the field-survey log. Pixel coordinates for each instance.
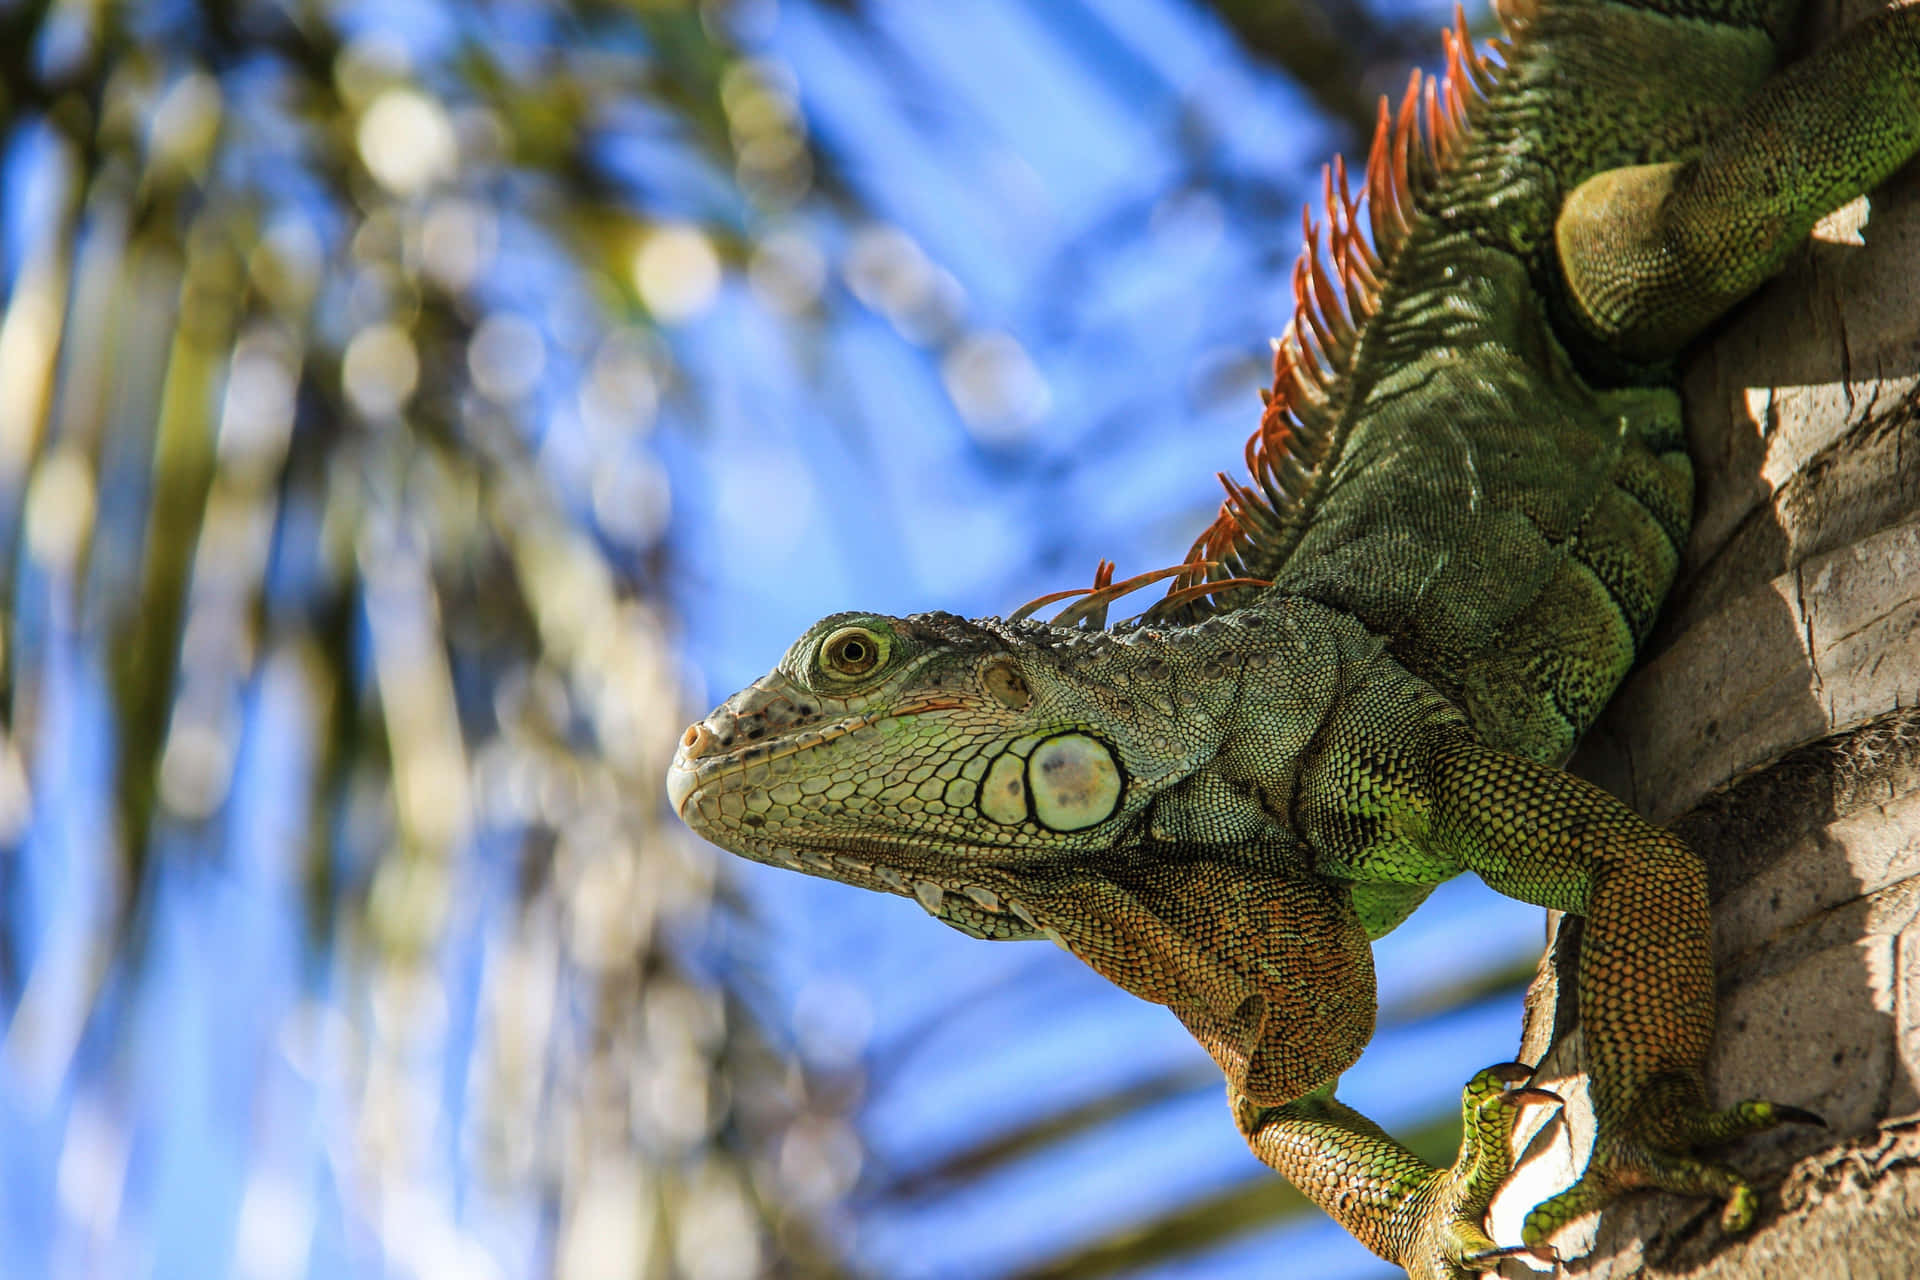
(334, 560)
(292, 298)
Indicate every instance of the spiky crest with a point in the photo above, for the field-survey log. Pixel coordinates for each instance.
(1091, 609)
(1334, 297)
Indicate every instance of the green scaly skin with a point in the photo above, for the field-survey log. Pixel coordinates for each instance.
(1219, 815)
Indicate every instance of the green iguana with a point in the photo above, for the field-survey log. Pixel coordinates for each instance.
(1468, 496)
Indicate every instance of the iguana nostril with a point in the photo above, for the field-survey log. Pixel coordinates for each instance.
(697, 741)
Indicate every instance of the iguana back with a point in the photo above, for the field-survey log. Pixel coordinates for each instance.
(1433, 459)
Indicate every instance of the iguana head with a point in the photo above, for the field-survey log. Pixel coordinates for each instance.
(1021, 780)
(898, 752)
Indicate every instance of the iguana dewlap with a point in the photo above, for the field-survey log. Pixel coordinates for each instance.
(1468, 497)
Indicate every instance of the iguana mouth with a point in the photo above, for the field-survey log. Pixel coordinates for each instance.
(695, 768)
(704, 758)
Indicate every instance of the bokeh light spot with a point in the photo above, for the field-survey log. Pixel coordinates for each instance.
(621, 394)
(609, 1234)
(457, 242)
(787, 272)
(506, 356)
(677, 273)
(632, 500)
(198, 763)
(820, 1159)
(886, 270)
(60, 508)
(995, 386)
(185, 122)
(380, 370)
(260, 401)
(715, 1237)
(407, 142)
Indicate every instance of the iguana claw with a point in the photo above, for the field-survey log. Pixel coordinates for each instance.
(1798, 1115)
(1530, 1094)
(1513, 1079)
(1451, 1239)
(1491, 1258)
(1652, 1150)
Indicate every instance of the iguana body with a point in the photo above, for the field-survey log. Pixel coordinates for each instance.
(1470, 498)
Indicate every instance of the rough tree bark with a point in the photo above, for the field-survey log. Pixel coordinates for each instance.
(1776, 725)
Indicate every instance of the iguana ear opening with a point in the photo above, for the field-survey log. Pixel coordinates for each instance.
(1271, 972)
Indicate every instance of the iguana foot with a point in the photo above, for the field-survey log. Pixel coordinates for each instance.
(1430, 1221)
(1450, 1238)
(1652, 1150)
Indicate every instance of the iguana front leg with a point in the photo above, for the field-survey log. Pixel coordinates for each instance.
(1646, 971)
(1401, 791)
(1429, 1220)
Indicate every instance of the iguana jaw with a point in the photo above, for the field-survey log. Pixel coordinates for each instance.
(956, 895)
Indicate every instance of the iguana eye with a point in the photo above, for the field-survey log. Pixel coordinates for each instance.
(1008, 689)
(853, 651)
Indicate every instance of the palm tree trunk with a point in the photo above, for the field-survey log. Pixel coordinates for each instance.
(1776, 725)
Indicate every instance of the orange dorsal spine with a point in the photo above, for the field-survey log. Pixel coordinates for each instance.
(1335, 294)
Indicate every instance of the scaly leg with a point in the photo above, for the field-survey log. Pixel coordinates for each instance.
(1426, 1219)
(1646, 970)
(1653, 254)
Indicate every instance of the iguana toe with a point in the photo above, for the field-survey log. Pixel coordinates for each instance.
(1451, 1240)
(1654, 1152)
(1605, 1180)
